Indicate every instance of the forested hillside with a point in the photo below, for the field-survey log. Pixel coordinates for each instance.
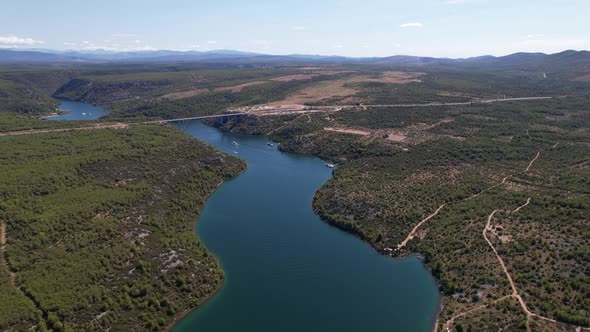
(99, 228)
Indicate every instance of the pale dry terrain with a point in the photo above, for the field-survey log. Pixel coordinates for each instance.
(239, 87)
(342, 88)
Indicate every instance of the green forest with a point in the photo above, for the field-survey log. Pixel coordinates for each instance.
(99, 223)
(100, 228)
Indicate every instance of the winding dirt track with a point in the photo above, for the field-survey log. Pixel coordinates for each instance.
(413, 232)
(2, 238)
(3, 257)
(528, 201)
(450, 322)
(515, 294)
(532, 162)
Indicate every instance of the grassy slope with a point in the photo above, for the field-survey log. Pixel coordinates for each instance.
(100, 227)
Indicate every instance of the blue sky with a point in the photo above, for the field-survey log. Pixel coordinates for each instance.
(449, 28)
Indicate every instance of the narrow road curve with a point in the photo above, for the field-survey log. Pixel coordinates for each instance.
(3, 256)
(2, 238)
(515, 293)
(449, 323)
(484, 233)
(528, 201)
(413, 232)
(533, 161)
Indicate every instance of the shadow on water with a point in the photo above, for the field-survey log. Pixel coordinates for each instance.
(285, 269)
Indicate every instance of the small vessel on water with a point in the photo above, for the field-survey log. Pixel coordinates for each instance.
(235, 143)
(330, 165)
(270, 144)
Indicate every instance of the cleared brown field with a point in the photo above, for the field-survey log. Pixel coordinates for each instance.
(341, 88)
(239, 87)
(399, 77)
(317, 92)
(295, 77)
(348, 131)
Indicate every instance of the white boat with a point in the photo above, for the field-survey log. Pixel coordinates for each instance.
(330, 165)
(235, 143)
(270, 144)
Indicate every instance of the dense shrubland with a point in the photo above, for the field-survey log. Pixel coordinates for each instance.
(100, 228)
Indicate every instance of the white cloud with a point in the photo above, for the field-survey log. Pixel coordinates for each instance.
(212, 42)
(14, 40)
(69, 44)
(412, 25)
(297, 28)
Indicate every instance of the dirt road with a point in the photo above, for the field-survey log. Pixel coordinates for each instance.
(473, 102)
(449, 323)
(532, 162)
(528, 201)
(515, 293)
(413, 232)
(2, 238)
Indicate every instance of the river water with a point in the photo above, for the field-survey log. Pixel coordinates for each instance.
(75, 110)
(285, 269)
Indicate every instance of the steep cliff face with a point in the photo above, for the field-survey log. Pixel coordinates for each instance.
(30, 92)
(106, 92)
(18, 98)
(251, 124)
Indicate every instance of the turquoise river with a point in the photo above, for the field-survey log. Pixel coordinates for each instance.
(285, 269)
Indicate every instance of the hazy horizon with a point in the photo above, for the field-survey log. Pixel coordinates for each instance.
(103, 51)
(376, 28)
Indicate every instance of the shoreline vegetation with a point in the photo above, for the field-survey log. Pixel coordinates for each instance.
(398, 165)
(135, 195)
(209, 296)
(298, 136)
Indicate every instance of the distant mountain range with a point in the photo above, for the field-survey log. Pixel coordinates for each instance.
(517, 60)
